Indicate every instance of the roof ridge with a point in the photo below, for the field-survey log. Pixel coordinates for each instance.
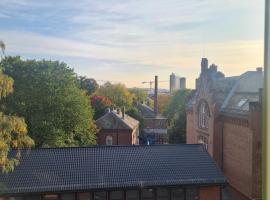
(112, 146)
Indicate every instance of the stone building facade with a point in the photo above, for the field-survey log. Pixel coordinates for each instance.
(224, 114)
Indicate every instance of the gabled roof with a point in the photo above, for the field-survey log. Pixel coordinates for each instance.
(233, 94)
(107, 167)
(112, 120)
(148, 112)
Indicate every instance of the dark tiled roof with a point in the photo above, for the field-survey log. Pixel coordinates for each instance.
(232, 95)
(113, 120)
(148, 112)
(90, 168)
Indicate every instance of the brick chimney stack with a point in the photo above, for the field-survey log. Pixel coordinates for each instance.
(123, 112)
(156, 95)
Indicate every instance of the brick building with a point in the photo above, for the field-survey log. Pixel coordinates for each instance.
(224, 114)
(133, 172)
(155, 126)
(117, 128)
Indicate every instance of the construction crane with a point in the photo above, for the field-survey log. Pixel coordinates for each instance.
(151, 82)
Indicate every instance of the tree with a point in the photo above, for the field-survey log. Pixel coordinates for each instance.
(47, 94)
(100, 104)
(88, 84)
(13, 130)
(139, 95)
(163, 102)
(117, 93)
(176, 114)
(2, 47)
(134, 112)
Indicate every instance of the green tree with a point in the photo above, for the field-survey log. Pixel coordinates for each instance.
(13, 130)
(134, 112)
(88, 84)
(117, 93)
(48, 95)
(139, 94)
(176, 114)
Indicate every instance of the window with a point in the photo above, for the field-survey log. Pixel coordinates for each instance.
(49, 197)
(109, 140)
(178, 194)
(192, 194)
(203, 115)
(147, 194)
(162, 194)
(100, 196)
(84, 196)
(67, 196)
(203, 140)
(116, 195)
(132, 195)
(241, 102)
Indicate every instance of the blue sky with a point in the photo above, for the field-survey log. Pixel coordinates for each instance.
(130, 41)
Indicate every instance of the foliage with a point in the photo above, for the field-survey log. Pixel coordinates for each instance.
(88, 84)
(163, 102)
(13, 131)
(100, 104)
(118, 93)
(134, 112)
(2, 47)
(176, 114)
(139, 95)
(47, 95)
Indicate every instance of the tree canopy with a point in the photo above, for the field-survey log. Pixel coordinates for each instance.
(117, 93)
(176, 113)
(139, 94)
(48, 95)
(88, 84)
(100, 104)
(13, 130)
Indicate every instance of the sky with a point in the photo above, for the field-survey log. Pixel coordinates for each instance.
(131, 41)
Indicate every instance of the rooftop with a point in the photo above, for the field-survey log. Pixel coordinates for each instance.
(107, 167)
(113, 120)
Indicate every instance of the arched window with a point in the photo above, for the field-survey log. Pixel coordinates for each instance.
(204, 114)
(109, 140)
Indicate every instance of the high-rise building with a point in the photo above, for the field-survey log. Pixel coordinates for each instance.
(177, 83)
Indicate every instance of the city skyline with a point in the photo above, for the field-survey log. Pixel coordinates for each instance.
(132, 41)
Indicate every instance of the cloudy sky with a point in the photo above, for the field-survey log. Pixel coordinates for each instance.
(130, 41)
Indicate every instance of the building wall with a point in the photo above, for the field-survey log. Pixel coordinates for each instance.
(120, 137)
(191, 137)
(192, 193)
(210, 193)
(155, 123)
(237, 155)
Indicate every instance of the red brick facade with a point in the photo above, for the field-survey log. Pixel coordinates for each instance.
(233, 140)
(210, 193)
(119, 137)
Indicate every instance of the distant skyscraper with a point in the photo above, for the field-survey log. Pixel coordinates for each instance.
(177, 83)
(182, 83)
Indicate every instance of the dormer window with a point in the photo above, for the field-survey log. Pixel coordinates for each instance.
(204, 115)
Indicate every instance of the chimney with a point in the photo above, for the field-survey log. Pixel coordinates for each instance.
(123, 112)
(259, 69)
(204, 65)
(156, 95)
